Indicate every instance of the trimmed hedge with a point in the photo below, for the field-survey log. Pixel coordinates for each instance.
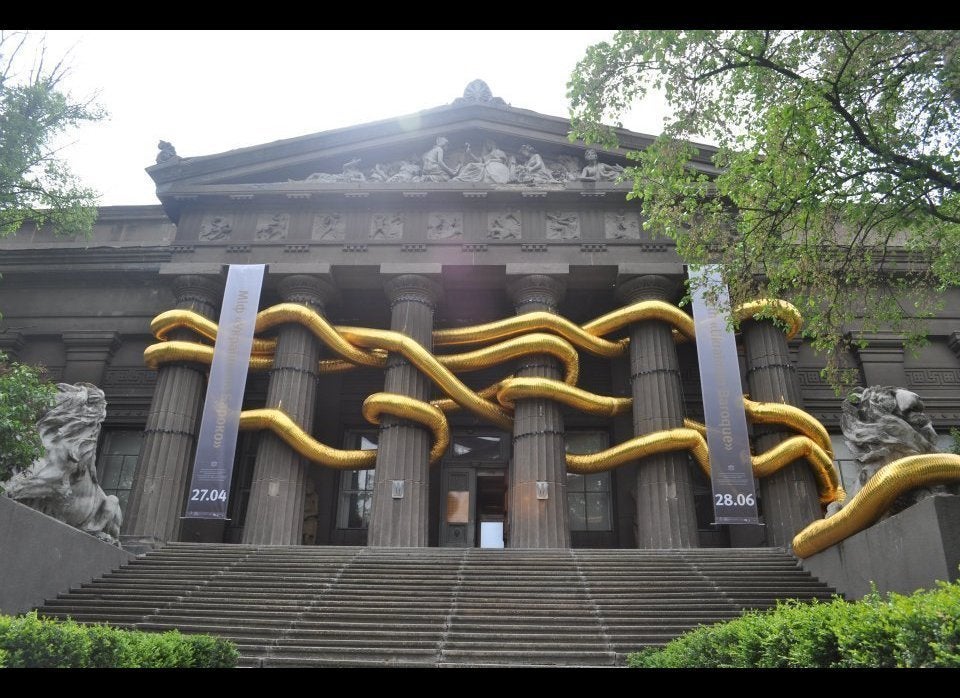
(29, 641)
(921, 630)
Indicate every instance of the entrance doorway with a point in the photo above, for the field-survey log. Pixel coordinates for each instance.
(473, 485)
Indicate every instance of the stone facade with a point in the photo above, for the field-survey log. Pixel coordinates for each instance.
(484, 213)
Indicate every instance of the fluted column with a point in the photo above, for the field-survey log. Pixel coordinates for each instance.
(399, 515)
(538, 519)
(163, 469)
(666, 515)
(789, 497)
(275, 507)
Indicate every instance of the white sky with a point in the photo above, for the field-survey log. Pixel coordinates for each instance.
(211, 91)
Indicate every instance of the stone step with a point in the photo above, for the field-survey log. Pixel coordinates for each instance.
(363, 607)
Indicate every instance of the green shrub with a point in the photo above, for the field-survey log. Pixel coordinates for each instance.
(921, 630)
(29, 641)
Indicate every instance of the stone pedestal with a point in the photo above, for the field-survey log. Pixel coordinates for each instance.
(666, 515)
(399, 515)
(163, 469)
(537, 489)
(275, 508)
(789, 496)
(909, 551)
(88, 353)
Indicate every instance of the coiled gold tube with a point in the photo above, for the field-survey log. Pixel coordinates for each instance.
(304, 444)
(641, 447)
(789, 416)
(410, 408)
(782, 310)
(524, 388)
(175, 350)
(529, 322)
(875, 498)
(640, 312)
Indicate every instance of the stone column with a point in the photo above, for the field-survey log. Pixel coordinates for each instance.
(789, 497)
(163, 469)
(88, 353)
(537, 492)
(275, 507)
(399, 515)
(666, 515)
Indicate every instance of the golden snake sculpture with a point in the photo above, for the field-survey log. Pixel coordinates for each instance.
(531, 333)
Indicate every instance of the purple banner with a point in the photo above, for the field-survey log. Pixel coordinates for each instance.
(217, 443)
(731, 472)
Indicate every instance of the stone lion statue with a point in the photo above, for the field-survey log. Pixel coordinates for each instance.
(882, 424)
(63, 483)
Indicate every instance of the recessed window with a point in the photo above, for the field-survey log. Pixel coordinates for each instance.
(117, 463)
(356, 487)
(588, 496)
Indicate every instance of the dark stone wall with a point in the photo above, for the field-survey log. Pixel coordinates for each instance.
(43, 557)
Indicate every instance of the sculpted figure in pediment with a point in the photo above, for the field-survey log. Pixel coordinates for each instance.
(491, 168)
(434, 169)
(351, 173)
(534, 170)
(597, 171)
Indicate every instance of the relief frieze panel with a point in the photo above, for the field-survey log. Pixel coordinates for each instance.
(504, 224)
(329, 225)
(386, 226)
(216, 227)
(442, 225)
(621, 225)
(272, 227)
(563, 225)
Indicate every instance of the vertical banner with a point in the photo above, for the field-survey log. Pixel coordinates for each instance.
(217, 443)
(731, 472)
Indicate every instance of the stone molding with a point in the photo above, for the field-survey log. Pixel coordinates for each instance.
(538, 289)
(649, 287)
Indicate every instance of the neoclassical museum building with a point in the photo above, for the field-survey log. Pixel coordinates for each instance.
(460, 311)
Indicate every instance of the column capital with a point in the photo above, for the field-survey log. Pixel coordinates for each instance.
(202, 290)
(649, 287)
(413, 288)
(308, 290)
(536, 289)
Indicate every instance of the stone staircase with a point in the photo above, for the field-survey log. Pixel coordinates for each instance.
(352, 606)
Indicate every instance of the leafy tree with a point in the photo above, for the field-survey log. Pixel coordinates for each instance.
(24, 396)
(834, 182)
(35, 184)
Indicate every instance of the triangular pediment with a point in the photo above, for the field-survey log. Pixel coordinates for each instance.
(484, 138)
(390, 149)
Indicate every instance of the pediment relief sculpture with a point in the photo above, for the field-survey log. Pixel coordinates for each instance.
(492, 165)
